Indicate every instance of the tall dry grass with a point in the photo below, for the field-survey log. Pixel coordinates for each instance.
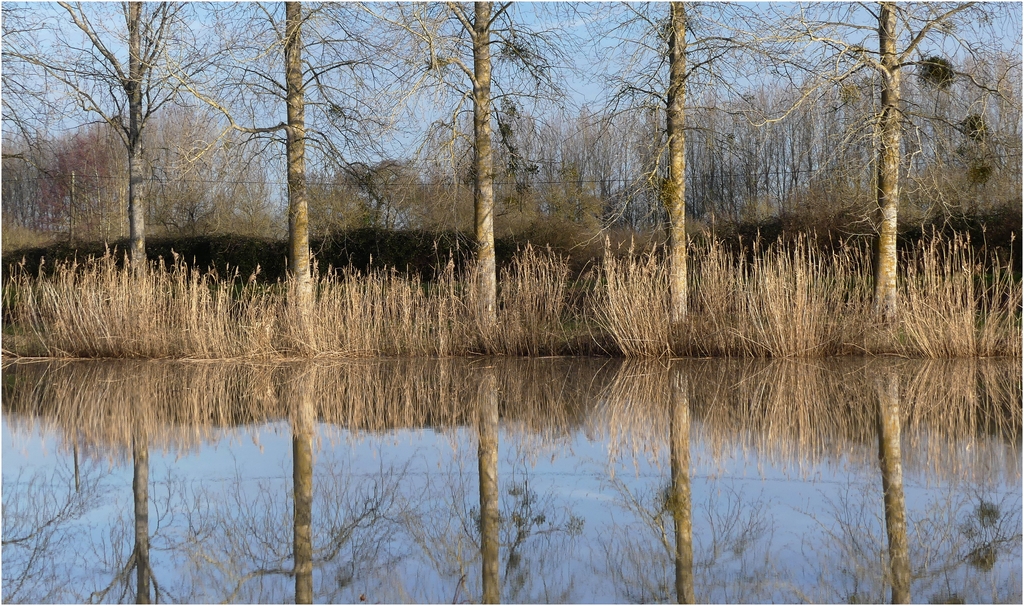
(958, 305)
(787, 302)
(794, 301)
(96, 310)
(784, 300)
(632, 304)
(799, 300)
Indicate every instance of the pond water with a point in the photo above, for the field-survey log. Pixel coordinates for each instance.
(513, 480)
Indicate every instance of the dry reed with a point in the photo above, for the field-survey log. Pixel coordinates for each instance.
(958, 305)
(785, 301)
(633, 306)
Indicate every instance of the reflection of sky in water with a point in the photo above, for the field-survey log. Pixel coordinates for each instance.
(761, 530)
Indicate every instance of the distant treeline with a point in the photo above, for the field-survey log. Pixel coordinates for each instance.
(425, 253)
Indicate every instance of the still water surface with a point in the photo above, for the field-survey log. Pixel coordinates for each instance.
(551, 480)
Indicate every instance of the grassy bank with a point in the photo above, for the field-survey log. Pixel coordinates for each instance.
(784, 300)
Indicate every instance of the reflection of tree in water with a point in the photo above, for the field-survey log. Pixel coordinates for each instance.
(923, 555)
(797, 414)
(54, 551)
(674, 551)
(963, 545)
(526, 528)
(528, 519)
(732, 545)
(848, 554)
(972, 537)
(239, 542)
(990, 528)
(494, 538)
(234, 537)
(42, 523)
(890, 460)
(537, 536)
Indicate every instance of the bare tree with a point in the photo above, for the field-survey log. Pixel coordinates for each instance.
(904, 33)
(205, 181)
(298, 208)
(324, 51)
(483, 188)
(651, 73)
(110, 70)
(441, 40)
(26, 108)
(888, 161)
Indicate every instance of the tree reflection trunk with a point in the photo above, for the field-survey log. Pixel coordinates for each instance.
(681, 506)
(140, 492)
(302, 480)
(487, 430)
(892, 485)
(74, 453)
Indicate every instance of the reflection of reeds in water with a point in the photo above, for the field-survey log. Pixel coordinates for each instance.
(961, 404)
(103, 405)
(638, 391)
(785, 410)
(181, 404)
(959, 419)
(784, 300)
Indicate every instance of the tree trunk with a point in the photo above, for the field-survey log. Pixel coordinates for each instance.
(133, 88)
(892, 485)
(487, 453)
(140, 494)
(302, 424)
(888, 165)
(681, 501)
(483, 190)
(298, 217)
(674, 194)
(302, 482)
